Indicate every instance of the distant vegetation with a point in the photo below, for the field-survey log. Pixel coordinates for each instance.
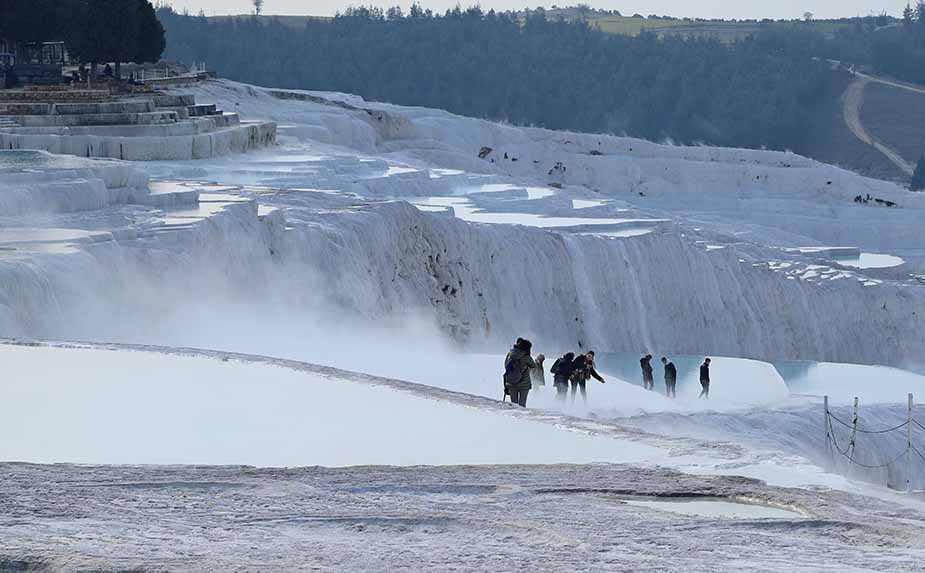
(902, 54)
(756, 91)
(94, 31)
(724, 30)
(886, 45)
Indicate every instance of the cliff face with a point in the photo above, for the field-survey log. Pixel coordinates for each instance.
(634, 246)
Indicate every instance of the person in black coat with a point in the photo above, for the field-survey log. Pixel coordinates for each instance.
(517, 366)
(671, 378)
(646, 364)
(562, 371)
(582, 370)
(705, 378)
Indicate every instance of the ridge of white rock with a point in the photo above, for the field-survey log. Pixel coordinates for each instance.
(688, 250)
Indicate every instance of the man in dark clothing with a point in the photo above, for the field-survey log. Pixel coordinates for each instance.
(562, 371)
(646, 363)
(705, 378)
(671, 378)
(517, 366)
(582, 370)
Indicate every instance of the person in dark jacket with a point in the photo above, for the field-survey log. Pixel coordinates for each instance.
(646, 363)
(517, 367)
(705, 378)
(582, 370)
(562, 371)
(671, 378)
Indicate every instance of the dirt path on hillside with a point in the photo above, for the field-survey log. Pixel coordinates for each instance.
(853, 99)
(894, 83)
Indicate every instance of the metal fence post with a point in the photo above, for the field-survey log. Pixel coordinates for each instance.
(909, 447)
(828, 438)
(854, 434)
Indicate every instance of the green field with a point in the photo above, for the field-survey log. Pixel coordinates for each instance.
(724, 30)
(897, 118)
(293, 21)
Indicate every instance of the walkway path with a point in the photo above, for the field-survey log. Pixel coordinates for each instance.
(852, 102)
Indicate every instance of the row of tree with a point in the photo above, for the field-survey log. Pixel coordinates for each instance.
(529, 70)
(901, 52)
(887, 45)
(94, 31)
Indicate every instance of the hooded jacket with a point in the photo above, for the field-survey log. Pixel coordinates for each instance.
(522, 362)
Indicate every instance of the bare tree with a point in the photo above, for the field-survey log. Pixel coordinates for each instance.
(808, 16)
(258, 6)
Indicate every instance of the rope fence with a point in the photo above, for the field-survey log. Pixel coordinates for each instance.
(848, 452)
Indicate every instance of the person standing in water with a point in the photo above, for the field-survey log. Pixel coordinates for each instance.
(671, 378)
(582, 370)
(562, 371)
(646, 363)
(705, 378)
(517, 367)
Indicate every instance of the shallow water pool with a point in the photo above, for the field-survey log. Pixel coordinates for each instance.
(712, 507)
(872, 261)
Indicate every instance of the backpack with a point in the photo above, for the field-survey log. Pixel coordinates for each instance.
(512, 373)
(556, 365)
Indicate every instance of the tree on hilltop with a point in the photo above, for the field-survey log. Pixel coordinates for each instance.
(151, 38)
(31, 22)
(100, 31)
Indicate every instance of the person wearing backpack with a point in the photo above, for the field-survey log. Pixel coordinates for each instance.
(517, 367)
(562, 371)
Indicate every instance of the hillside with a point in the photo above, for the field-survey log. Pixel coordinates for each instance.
(687, 82)
(725, 30)
(896, 116)
(830, 139)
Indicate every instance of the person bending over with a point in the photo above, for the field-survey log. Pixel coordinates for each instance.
(583, 369)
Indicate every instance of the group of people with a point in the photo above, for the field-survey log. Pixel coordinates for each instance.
(522, 371)
(671, 376)
(571, 370)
